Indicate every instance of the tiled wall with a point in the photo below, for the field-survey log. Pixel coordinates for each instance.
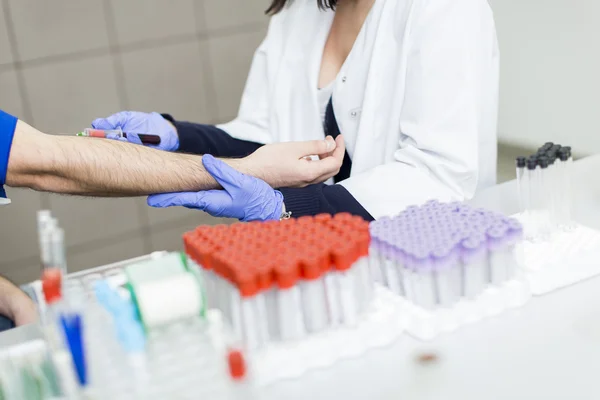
(64, 63)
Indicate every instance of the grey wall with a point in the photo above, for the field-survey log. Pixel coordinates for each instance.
(550, 59)
(64, 63)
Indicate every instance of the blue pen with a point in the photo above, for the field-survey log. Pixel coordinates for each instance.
(72, 327)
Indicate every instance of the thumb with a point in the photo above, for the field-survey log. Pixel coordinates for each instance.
(315, 147)
(184, 199)
(118, 120)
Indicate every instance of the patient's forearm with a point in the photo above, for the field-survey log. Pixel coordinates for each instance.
(73, 165)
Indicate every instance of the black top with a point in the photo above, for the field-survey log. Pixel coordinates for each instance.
(531, 164)
(521, 162)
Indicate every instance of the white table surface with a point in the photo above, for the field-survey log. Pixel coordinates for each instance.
(549, 349)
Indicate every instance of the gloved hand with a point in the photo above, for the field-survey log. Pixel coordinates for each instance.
(134, 123)
(245, 197)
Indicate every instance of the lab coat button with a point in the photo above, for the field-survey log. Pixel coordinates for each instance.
(343, 79)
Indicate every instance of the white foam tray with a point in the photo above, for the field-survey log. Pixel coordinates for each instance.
(565, 259)
(381, 326)
(426, 324)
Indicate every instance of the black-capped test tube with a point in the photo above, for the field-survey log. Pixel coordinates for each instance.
(566, 161)
(522, 183)
(545, 193)
(531, 180)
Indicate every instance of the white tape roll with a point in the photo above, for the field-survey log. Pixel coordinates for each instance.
(168, 300)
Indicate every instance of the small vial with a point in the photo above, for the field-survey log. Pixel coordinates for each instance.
(565, 187)
(522, 184)
(532, 183)
(545, 193)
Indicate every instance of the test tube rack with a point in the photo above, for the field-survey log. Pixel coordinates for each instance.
(451, 265)
(297, 293)
(186, 358)
(557, 251)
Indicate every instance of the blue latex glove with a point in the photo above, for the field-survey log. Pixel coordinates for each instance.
(134, 123)
(245, 197)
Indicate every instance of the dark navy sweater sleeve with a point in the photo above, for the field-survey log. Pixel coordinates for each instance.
(310, 200)
(208, 139)
(322, 198)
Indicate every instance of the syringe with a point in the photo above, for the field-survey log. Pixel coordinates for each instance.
(118, 133)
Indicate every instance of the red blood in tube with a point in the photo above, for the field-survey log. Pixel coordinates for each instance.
(97, 133)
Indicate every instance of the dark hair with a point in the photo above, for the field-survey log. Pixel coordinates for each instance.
(277, 5)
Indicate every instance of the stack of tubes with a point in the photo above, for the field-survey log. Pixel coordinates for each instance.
(51, 241)
(544, 182)
(437, 254)
(62, 326)
(279, 281)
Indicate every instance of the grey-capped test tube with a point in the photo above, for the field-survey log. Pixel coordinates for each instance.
(522, 184)
(531, 214)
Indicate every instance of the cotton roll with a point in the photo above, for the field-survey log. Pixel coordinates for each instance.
(169, 299)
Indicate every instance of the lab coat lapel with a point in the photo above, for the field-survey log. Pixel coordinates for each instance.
(298, 79)
(376, 140)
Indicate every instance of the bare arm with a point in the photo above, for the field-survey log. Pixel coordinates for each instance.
(74, 165)
(15, 304)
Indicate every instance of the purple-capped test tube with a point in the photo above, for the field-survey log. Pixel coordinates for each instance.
(447, 273)
(474, 266)
(497, 242)
(421, 280)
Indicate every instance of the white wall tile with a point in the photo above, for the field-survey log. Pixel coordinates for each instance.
(138, 20)
(18, 236)
(231, 57)
(49, 28)
(123, 250)
(86, 220)
(167, 79)
(10, 95)
(68, 96)
(226, 14)
(5, 53)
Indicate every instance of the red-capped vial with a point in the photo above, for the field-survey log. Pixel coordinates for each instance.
(323, 218)
(236, 364)
(310, 267)
(287, 274)
(247, 283)
(52, 285)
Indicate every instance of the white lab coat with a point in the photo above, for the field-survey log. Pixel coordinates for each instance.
(418, 98)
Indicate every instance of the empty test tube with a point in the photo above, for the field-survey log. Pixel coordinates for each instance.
(312, 287)
(289, 302)
(474, 257)
(447, 276)
(522, 183)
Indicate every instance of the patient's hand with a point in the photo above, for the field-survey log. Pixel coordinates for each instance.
(287, 164)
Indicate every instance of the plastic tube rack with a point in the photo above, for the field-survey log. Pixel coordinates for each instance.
(451, 263)
(285, 280)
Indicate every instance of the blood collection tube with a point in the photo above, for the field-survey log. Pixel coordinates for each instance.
(497, 249)
(247, 282)
(344, 257)
(514, 235)
(565, 188)
(447, 276)
(545, 193)
(532, 179)
(57, 240)
(314, 299)
(118, 133)
(522, 183)
(289, 301)
(474, 257)
(423, 281)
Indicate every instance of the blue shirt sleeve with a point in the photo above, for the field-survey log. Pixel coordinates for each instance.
(8, 124)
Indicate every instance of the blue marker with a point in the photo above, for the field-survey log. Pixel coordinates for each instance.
(72, 327)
